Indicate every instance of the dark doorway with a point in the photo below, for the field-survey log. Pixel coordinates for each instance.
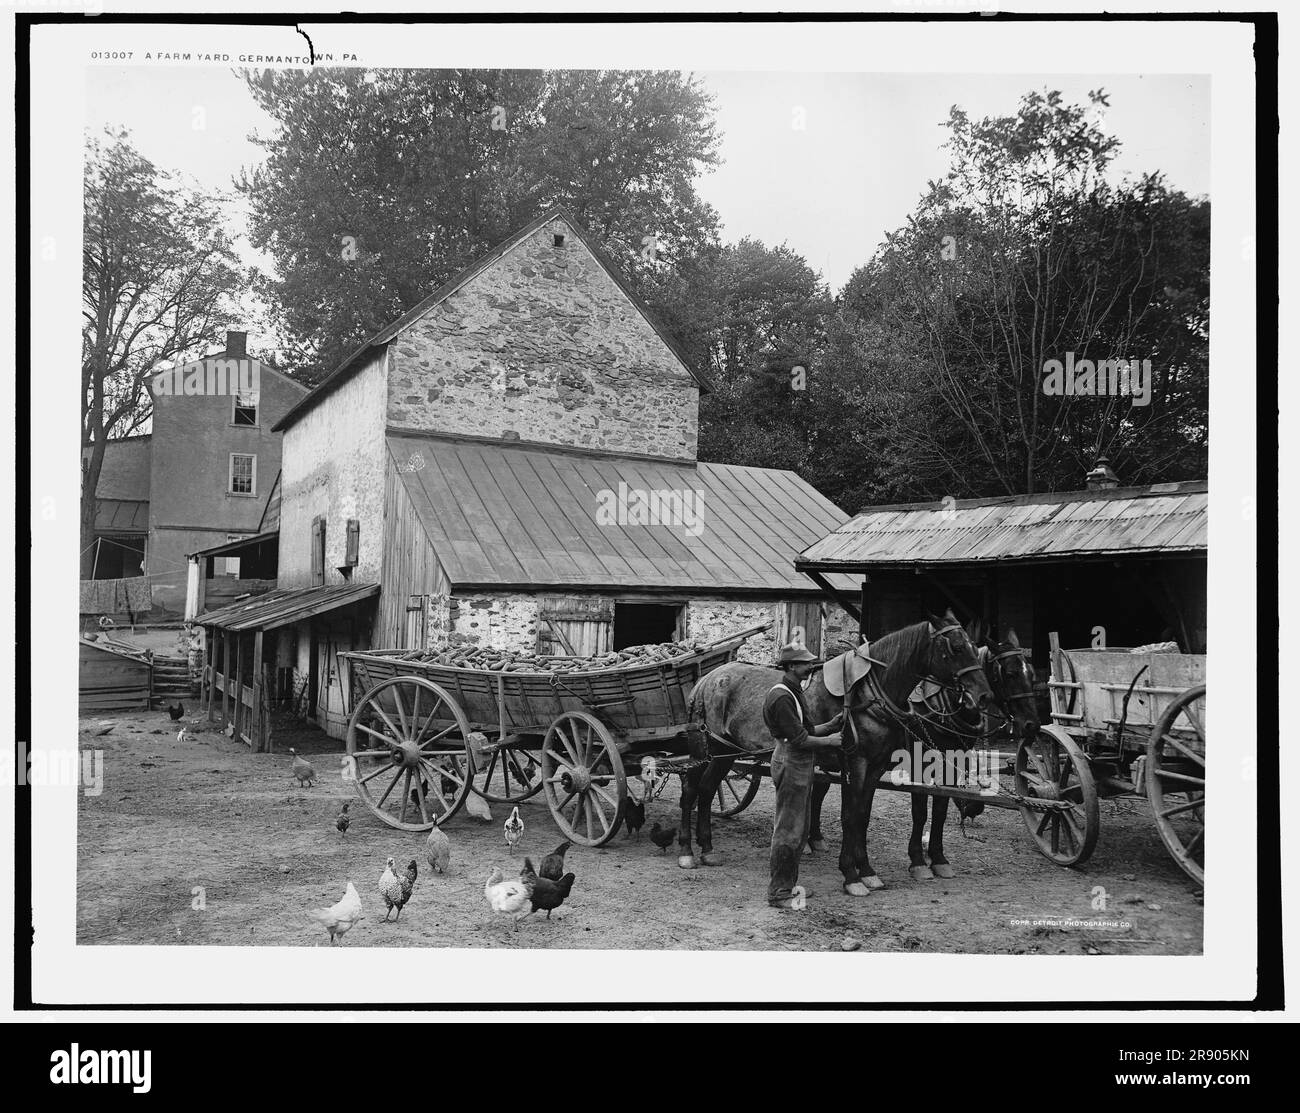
(645, 623)
(119, 558)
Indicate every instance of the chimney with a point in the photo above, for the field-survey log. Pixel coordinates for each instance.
(1102, 478)
(236, 344)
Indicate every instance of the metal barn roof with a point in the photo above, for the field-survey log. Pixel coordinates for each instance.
(1163, 519)
(523, 516)
(279, 608)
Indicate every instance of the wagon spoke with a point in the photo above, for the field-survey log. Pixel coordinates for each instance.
(435, 783)
(605, 796)
(565, 802)
(441, 734)
(1195, 840)
(397, 776)
(1180, 808)
(450, 770)
(420, 795)
(1184, 750)
(406, 797)
(397, 734)
(1169, 774)
(487, 777)
(371, 776)
(1194, 718)
(589, 808)
(400, 704)
(570, 745)
(600, 812)
(386, 739)
(1047, 818)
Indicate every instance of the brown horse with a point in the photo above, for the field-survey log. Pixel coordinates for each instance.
(729, 704)
(951, 725)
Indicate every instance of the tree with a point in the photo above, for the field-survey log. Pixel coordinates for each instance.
(380, 185)
(158, 276)
(1026, 254)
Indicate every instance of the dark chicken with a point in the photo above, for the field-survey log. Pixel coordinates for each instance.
(553, 864)
(662, 837)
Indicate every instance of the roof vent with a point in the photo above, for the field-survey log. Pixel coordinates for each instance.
(558, 238)
(1102, 478)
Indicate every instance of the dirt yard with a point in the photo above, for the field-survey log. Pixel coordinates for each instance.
(204, 822)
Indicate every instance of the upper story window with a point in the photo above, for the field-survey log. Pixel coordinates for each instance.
(243, 474)
(244, 408)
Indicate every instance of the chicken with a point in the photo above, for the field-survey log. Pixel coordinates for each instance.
(553, 863)
(508, 897)
(634, 815)
(662, 837)
(390, 888)
(543, 892)
(303, 770)
(438, 850)
(968, 809)
(339, 918)
(514, 828)
(344, 820)
(475, 804)
(175, 710)
(407, 882)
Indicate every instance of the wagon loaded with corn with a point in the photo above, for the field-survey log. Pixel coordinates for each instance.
(430, 727)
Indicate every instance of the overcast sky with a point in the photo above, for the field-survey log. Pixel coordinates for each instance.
(830, 189)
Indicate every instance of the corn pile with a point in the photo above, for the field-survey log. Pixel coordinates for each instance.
(498, 660)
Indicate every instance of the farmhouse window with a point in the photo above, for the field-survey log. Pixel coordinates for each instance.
(570, 626)
(317, 551)
(244, 408)
(243, 474)
(354, 543)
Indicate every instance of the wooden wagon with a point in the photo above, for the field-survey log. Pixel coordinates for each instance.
(423, 736)
(1124, 723)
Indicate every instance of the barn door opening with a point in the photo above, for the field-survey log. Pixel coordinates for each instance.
(801, 622)
(573, 626)
(646, 623)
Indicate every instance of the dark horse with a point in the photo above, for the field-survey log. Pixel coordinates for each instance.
(729, 704)
(951, 725)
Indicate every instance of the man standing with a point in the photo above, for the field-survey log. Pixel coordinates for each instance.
(794, 763)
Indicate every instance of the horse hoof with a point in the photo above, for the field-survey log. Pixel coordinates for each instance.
(711, 857)
(686, 862)
(873, 882)
(921, 873)
(944, 870)
(818, 846)
(857, 889)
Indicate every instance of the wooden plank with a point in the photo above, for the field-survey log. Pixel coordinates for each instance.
(239, 684)
(258, 730)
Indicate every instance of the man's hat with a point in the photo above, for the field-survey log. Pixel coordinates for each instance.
(796, 654)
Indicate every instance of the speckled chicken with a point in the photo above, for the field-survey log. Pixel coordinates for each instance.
(438, 850)
(514, 828)
(507, 897)
(396, 890)
(303, 770)
(339, 918)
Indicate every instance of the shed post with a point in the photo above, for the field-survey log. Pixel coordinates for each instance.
(258, 731)
(211, 670)
(239, 683)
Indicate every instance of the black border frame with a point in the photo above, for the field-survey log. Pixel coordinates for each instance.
(1269, 986)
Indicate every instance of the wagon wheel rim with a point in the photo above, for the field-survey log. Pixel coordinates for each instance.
(407, 755)
(737, 790)
(510, 775)
(582, 773)
(1175, 775)
(1051, 767)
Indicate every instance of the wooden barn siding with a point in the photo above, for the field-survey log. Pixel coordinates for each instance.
(111, 682)
(410, 566)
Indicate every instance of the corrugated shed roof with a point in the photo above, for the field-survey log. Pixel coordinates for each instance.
(236, 546)
(524, 516)
(279, 608)
(356, 360)
(1161, 519)
(121, 516)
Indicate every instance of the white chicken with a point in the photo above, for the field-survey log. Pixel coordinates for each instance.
(475, 804)
(339, 918)
(508, 897)
(514, 828)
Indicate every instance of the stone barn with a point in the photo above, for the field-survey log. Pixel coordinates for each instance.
(513, 464)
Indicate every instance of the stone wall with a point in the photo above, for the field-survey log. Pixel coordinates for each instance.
(544, 346)
(708, 620)
(334, 458)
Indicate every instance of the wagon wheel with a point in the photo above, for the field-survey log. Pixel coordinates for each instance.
(510, 776)
(407, 755)
(738, 789)
(1052, 767)
(1176, 780)
(582, 771)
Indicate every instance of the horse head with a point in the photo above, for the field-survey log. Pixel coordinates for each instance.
(953, 659)
(1012, 681)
